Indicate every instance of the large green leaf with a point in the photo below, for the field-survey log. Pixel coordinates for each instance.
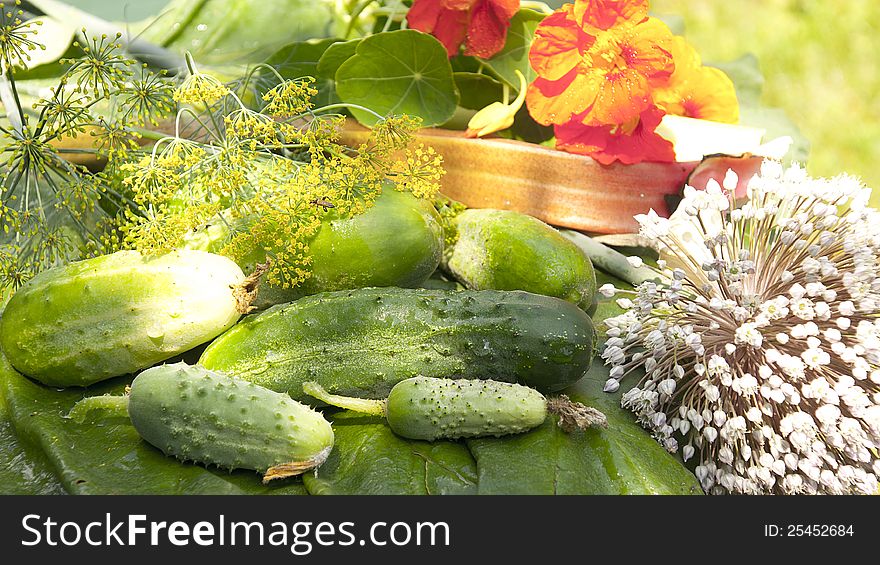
(330, 62)
(23, 469)
(622, 459)
(110, 458)
(399, 72)
(477, 91)
(515, 54)
(240, 31)
(368, 458)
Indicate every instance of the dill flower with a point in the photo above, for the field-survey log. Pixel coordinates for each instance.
(102, 69)
(760, 342)
(290, 98)
(16, 37)
(199, 88)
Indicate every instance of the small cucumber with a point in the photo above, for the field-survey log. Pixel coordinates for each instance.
(397, 242)
(505, 250)
(362, 342)
(116, 314)
(429, 408)
(198, 415)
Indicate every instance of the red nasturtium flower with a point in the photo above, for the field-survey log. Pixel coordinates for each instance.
(608, 73)
(629, 143)
(480, 24)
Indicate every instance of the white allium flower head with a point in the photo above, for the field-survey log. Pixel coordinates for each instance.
(761, 347)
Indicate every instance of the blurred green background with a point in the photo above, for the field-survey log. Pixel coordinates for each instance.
(820, 60)
(821, 63)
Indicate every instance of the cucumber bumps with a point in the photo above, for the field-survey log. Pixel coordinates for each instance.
(429, 408)
(116, 314)
(504, 250)
(362, 342)
(198, 415)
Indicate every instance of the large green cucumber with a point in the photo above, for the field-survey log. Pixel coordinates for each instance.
(397, 242)
(199, 415)
(116, 314)
(505, 250)
(362, 342)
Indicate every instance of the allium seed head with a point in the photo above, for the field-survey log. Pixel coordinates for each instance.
(761, 345)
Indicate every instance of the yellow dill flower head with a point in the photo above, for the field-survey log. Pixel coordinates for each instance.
(419, 171)
(199, 88)
(290, 98)
(258, 129)
(393, 133)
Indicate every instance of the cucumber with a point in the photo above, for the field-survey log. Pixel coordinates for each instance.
(430, 409)
(198, 415)
(362, 342)
(505, 250)
(116, 314)
(396, 242)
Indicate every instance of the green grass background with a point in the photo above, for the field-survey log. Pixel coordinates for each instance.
(821, 63)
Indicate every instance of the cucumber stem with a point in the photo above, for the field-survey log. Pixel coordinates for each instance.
(246, 292)
(362, 405)
(108, 405)
(609, 260)
(574, 415)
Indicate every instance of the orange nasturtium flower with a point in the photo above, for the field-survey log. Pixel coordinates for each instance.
(608, 73)
(695, 91)
(606, 76)
(480, 24)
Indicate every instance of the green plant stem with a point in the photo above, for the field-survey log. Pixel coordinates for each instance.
(107, 405)
(362, 405)
(609, 260)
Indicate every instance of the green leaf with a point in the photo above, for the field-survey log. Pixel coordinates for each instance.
(622, 459)
(515, 53)
(368, 458)
(330, 62)
(23, 468)
(110, 458)
(300, 58)
(240, 31)
(399, 72)
(477, 91)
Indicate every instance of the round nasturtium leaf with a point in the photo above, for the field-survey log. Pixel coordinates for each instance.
(400, 72)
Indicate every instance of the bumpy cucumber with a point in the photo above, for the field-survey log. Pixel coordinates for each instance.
(362, 342)
(429, 408)
(199, 415)
(397, 242)
(116, 314)
(504, 250)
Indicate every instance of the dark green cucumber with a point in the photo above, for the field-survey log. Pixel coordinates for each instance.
(397, 242)
(428, 408)
(362, 342)
(116, 314)
(505, 250)
(198, 415)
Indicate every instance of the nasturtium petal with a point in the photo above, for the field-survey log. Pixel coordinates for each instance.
(400, 72)
(604, 14)
(556, 102)
(488, 25)
(556, 48)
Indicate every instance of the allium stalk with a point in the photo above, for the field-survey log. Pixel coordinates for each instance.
(760, 340)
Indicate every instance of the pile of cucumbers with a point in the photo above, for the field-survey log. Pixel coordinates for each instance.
(503, 323)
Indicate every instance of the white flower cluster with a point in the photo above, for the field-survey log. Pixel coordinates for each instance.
(760, 348)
